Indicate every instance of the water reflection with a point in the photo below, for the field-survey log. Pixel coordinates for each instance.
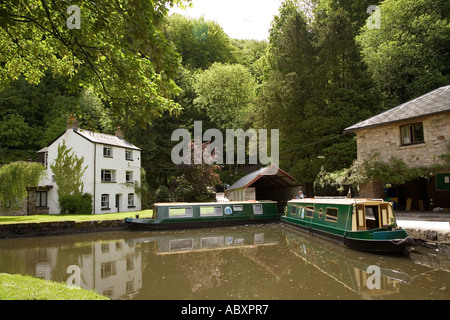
(247, 262)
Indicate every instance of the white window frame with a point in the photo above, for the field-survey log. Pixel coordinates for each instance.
(130, 200)
(112, 173)
(129, 176)
(107, 152)
(104, 201)
(128, 155)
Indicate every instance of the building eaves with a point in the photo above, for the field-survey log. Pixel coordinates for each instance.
(436, 101)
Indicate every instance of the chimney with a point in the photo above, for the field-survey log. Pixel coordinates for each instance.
(72, 123)
(119, 133)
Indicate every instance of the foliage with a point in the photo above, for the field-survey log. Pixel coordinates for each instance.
(14, 180)
(162, 194)
(317, 86)
(200, 43)
(76, 203)
(226, 93)
(68, 170)
(120, 51)
(14, 131)
(183, 188)
(408, 56)
(394, 171)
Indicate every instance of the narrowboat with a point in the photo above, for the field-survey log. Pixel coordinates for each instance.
(361, 224)
(184, 215)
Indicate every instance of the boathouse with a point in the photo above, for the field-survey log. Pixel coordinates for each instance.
(418, 133)
(268, 183)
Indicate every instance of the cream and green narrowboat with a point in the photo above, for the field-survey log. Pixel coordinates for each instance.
(184, 215)
(361, 224)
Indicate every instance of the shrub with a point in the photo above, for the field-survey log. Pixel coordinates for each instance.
(162, 194)
(76, 204)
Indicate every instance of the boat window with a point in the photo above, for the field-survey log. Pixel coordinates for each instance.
(180, 212)
(372, 217)
(238, 208)
(309, 212)
(257, 209)
(209, 211)
(331, 214)
(320, 212)
(181, 244)
(293, 210)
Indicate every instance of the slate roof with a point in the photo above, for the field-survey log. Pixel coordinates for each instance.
(436, 101)
(268, 177)
(107, 139)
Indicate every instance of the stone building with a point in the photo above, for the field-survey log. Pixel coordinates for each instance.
(417, 132)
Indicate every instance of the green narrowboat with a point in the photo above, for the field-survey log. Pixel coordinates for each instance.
(184, 215)
(361, 224)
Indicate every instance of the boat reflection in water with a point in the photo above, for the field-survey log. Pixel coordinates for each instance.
(346, 268)
(244, 262)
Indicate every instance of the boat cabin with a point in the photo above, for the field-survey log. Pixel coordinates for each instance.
(346, 214)
(213, 209)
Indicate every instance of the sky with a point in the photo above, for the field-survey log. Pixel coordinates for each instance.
(240, 19)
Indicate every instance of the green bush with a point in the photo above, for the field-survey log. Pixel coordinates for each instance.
(162, 194)
(76, 204)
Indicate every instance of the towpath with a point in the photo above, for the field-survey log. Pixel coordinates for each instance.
(430, 228)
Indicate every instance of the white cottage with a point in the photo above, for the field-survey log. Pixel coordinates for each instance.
(113, 167)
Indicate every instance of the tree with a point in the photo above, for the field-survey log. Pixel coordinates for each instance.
(408, 56)
(226, 93)
(119, 50)
(15, 177)
(317, 86)
(200, 43)
(68, 170)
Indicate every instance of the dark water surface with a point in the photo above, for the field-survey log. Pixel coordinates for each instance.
(246, 262)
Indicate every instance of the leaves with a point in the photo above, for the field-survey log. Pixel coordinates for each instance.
(119, 51)
(68, 170)
(15, 177)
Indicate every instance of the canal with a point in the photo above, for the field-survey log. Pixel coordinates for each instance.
(246, 262)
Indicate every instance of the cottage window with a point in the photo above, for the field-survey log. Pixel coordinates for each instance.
(41, 198)
(130, 200)
(107, 152)
(129, 176)
(108, 176)
(412, 134)
(128, 154)
(105, 201)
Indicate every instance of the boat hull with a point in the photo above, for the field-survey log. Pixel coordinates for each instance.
(395, 245)
(153, 225)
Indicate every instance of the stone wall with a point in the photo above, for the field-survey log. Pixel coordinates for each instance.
(384, 141)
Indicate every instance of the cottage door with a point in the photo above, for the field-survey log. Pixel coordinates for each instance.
(118, 202)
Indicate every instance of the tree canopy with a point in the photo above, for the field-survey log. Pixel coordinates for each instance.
(119, 51)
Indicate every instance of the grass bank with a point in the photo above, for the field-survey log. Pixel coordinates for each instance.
(72, 217)
(18, 287)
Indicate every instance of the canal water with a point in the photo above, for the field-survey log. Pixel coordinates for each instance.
(246, 262)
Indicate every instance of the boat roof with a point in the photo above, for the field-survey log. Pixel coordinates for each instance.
(344, 201)
(212, 203)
